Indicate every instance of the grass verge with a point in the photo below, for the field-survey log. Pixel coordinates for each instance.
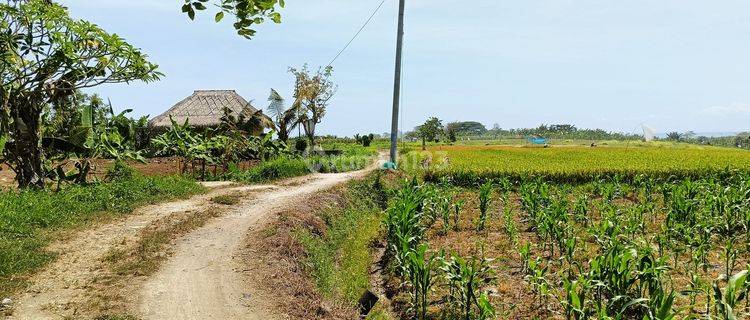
(270, 170)
(30, 220)
(339, 259)
(320, 251)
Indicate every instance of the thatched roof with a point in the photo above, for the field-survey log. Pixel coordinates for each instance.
(204, 108)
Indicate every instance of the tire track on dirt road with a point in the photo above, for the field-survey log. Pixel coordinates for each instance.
(60, 288)
(204, 278)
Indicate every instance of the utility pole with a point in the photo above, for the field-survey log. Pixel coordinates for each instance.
(397, 81)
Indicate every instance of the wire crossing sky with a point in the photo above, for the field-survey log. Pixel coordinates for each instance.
(674, 65)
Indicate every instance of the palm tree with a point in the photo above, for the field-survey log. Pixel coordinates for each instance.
(286, 118)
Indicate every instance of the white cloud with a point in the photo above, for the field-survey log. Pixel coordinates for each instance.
(733, 109)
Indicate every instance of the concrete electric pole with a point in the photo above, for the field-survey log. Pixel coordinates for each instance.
(397, 82)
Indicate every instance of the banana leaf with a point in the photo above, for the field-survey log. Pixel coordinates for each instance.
(63, 145)
(3, 142)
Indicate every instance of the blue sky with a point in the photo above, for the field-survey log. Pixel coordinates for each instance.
(671, 64)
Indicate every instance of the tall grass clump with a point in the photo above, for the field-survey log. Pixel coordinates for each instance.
(278, 168)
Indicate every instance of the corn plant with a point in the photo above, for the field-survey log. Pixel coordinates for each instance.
(661, 306)
(730, 256)
(575, 303)
(457, 214)
(445, 208)
(465, 278)
(537, 278)
(727, 301)
(404, 223)
(581, 210)
(420, 269)
(511, 229)
(485, 197)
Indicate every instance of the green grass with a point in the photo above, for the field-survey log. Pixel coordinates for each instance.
(279, 168)
(342, 163)
(571, 164)
(339, 261)
(30, 220)
(227, 199)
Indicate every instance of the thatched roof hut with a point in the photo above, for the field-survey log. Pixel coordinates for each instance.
(205, 108)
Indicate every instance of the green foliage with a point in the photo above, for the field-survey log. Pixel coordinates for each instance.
(339, 261)
(430, 130)
(365, 140)
(727, 301)
(485, 197)
(222, 147)
(29, 219)
(286, 118)
(274, 169)
(47, 56)
(312, 93)
(300, 145)
(466, 128)
(120, 171)
(248, 13)
(419, 270)
(465, 279)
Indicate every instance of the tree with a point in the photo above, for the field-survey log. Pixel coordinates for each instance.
(467, 128)
(451, 131)
(313, 92)
(674, 136)
(286, 119)
(430, 131)
(47, 56)
(247, 12)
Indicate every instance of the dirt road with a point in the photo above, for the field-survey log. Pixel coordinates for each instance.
(203, 279)
(200, 280)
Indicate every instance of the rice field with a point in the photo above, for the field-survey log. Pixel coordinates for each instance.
(574, 163)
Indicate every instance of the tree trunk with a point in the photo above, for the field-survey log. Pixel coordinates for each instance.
(424, 144)
(312, 142)
(27, 150)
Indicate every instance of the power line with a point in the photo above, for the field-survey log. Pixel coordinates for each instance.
(358, 32)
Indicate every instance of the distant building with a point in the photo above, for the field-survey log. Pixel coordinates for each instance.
(205, 108)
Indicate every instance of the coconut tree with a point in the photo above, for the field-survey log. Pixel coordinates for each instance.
(286, 119)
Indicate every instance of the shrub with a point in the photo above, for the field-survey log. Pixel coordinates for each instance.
(270, 170)
(300, 145)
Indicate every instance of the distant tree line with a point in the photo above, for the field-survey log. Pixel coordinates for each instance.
(741, 140)
(434, 130)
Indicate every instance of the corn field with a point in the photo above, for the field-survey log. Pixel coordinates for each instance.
(636, 247)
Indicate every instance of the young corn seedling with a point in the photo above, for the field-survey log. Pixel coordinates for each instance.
(511, 229)
(465, 278)
(420, 273)
(575, 303)
(485, 197)
(730, 256)
(457, 214)
(446, 208)
(727, 301)
(537, 278)
(661, 306)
